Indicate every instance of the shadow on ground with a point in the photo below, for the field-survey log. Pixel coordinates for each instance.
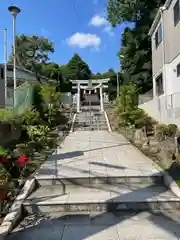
(67, 227)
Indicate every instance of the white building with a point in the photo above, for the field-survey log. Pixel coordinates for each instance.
(165, 38)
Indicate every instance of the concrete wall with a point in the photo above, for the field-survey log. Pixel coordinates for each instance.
(172, 34)
(173, 82)
(164, 109)
(157, 56)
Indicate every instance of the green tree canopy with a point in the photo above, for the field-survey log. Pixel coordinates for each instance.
(31, 52)
(78, 69)
(136, 44)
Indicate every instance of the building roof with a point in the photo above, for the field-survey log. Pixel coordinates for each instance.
(10, 67)
(158, 16)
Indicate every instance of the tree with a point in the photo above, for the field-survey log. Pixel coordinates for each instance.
(50, 70)
(78, 69)
(136, 44)
(32, 52)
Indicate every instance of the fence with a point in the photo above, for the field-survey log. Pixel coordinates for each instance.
(24, 98)
(165, 109)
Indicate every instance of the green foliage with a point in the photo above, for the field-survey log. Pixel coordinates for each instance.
(7, 115)
(32, 117)
(172, 130)
(128, 98)
(137, 118)
(31, 51)
(78, 69)
(4, 152)
(51, 114)
(136, 44)
(49, 94)
(161, 131)
(39, 134)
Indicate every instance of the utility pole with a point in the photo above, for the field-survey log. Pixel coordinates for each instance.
(117, 79)
(14, 11)
(5, 64)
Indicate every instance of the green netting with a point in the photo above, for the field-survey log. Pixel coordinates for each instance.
(24, 98)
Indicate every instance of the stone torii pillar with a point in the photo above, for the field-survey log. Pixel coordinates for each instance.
(101, 98)
(78, 97)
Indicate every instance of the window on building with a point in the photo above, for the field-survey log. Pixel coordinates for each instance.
(176, 12)
(159, 85)
(158, 35)
(178, 70)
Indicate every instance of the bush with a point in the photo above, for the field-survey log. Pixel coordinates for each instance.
(137, 118)
(7, 115)
(39, 134)
(172, 130)
(161, 131)
(51, 114)
(49, 94)
(128, 98)
(32, 117)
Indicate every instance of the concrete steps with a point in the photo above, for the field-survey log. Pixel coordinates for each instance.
(73, 182)
(86, 121)
(107, 226)
(102, 198)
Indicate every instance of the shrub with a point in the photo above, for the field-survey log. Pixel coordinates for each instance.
(172, 130)
(51, 114)
(161, 131)
(137, 118)
(7, 115)
(49, 95)
(39, 134)
(128, 98)
(32, 117)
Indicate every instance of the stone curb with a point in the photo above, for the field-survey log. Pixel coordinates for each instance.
(171, 184)
(107, 121)
(169, 181)
(15, 211)
(73, 121)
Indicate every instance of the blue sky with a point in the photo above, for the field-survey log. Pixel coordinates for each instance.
(73, 25)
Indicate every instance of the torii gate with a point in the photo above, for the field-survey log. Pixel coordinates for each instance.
(91, 84)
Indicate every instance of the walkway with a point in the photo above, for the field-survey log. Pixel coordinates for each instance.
(97, 153)
(92, 208)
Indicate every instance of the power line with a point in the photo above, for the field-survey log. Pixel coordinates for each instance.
(75, 9)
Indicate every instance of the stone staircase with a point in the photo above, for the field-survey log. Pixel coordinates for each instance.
(100, 194)
(94, 192)
(90, 121)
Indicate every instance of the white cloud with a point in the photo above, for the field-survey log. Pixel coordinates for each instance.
(83, 40)
(99, 21)
(108, 29)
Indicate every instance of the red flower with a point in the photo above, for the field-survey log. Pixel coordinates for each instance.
(22, 160)
(3, 160)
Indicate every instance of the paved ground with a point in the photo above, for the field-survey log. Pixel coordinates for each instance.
(97, 153)
(144, 226)
(87, 154)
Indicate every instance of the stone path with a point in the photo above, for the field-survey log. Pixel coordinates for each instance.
(87, 188)
(142, 226)
(97, 153)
